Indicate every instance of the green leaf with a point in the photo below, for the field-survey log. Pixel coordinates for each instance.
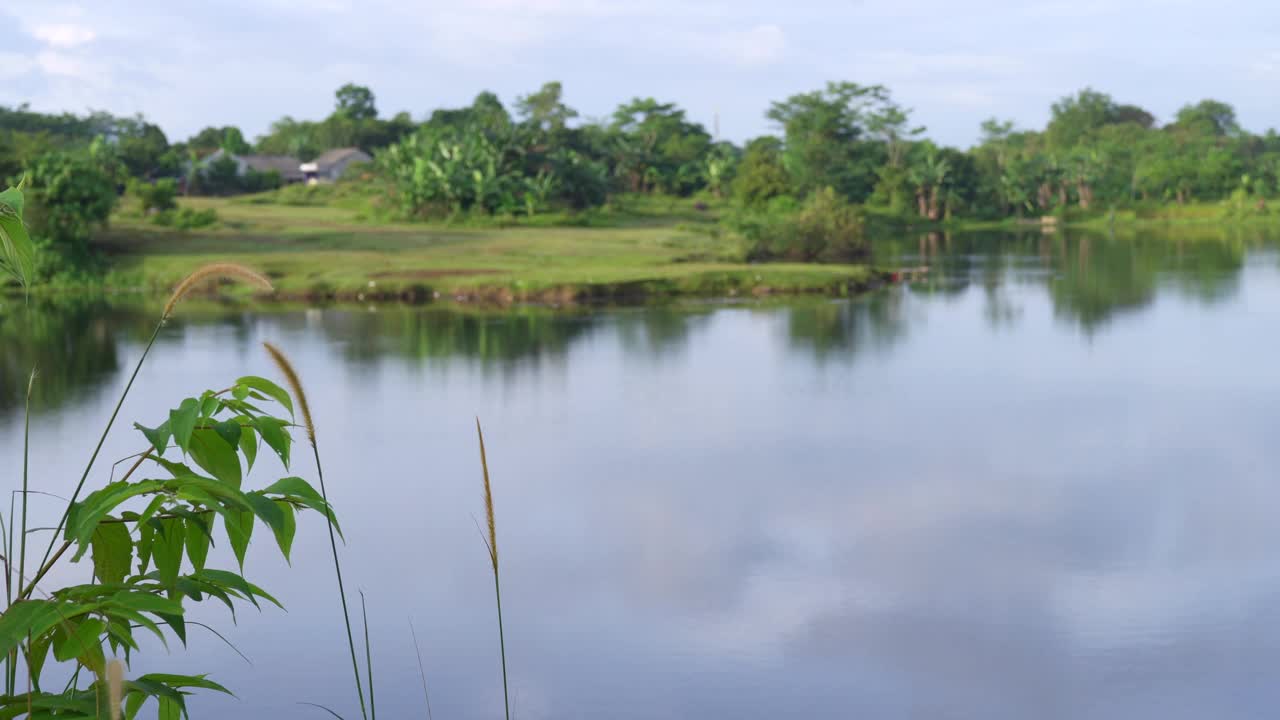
(112, 552)
(295, 488)
(75, 639)
(230, 431)
(272, 514)
(248, 445)
(290, 528)
(239, 526)
(272, 390)
(197, 542)
(212, 452)
(178, 625)
(209, 405)
(235, 582)
(170, 709)
(175, 469)
(240, 392)
(182, 421)
(168, 550)
(35, 618)
(146, 541)
(152, 508)
(95, 506)
(186, 681)
(145, 602)
(228, 495)
(37, 653)
(158, 437)
(17, 252)
(273, 434)
(133, 703)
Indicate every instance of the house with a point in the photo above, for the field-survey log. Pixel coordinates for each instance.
(331, 165)
(288, 167)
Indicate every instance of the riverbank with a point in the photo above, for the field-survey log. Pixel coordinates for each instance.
(326, 252)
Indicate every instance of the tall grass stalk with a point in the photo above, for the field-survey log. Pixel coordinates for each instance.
(493, 556)
(22, 540)
(368, 655)
(219, 270)
(295, 384)
(421, 670)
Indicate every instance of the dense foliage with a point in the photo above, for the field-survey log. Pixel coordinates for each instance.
(1096, 155)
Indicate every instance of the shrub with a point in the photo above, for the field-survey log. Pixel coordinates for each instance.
(158, 196)
(186, 218)
(825, 228)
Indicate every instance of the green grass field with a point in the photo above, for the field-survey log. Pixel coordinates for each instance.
(653, 247)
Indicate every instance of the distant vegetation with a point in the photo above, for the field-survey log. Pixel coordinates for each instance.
(540, 162)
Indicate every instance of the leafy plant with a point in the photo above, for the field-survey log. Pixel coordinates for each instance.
(146, 536)
(17, 254)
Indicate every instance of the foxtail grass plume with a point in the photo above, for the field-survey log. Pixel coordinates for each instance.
(115, 687)
(492, 542)
(488, 501)
(295, 385)
(216, 270)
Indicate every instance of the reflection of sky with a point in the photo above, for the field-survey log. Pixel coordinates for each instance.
(980, 520)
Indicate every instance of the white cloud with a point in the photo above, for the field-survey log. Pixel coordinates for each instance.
(63, 64)
(761, 45)
(63, 35)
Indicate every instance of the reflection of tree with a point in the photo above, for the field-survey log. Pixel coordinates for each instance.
(657, 331)
(1098, 278)
(842, 329)
(1090, 276)
(498, 338)
(71, 343)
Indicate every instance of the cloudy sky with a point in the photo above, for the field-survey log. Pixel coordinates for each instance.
(247, 62)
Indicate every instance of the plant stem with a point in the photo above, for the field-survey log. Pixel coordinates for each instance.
(44, 570)
(101, 440)
(368, 656)
(421, 670)
(502, 643)
(26, 455)
(22, 553)
(342, 593)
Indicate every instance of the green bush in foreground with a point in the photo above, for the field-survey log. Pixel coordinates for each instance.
(145, 537)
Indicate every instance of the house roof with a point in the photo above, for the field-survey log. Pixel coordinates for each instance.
(332, 157)
(287, 166)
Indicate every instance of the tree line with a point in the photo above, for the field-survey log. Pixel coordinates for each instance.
(838, 147)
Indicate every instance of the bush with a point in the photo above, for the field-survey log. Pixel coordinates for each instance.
(159, 195)
(825, 228)
(70, 195)
(186, 218)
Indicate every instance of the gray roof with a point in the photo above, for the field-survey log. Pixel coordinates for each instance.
(283, 164)
(338, 155)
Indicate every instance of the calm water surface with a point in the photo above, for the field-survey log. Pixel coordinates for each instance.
(1041, 484)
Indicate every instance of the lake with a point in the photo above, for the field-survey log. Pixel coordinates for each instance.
(1040, 482)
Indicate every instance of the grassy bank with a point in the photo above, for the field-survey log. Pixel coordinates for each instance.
(661, 247)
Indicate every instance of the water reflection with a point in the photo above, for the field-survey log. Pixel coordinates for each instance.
(974, 497)
(1090, 278)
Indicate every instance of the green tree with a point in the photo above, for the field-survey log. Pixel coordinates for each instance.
(69, 196)
(1208, 117)
(355, 102)
(545, 108)
(761, 176)
(824, 132)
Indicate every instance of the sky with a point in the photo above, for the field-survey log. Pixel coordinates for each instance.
(248, 62)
